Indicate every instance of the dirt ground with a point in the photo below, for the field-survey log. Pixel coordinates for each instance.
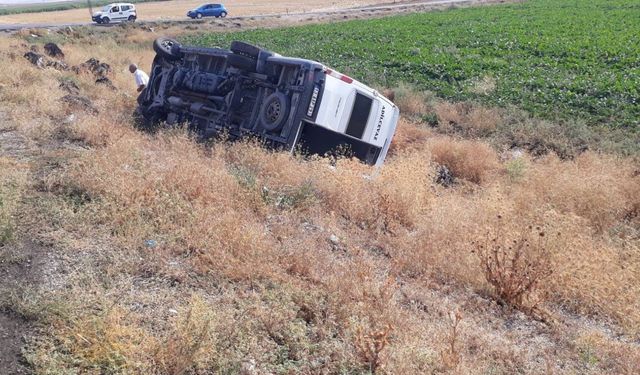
(178, 9)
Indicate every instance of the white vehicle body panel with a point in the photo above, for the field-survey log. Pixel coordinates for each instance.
(115, 12)
(337, 105)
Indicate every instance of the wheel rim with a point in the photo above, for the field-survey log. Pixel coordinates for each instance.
(273, 111)
(199, 15)
(167, 45)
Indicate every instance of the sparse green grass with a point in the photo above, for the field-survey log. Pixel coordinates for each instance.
(557, 59)
(11, 180)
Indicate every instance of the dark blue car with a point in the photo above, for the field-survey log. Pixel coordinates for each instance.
(208, 10)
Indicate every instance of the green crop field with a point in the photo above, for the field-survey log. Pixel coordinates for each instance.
(557, 59)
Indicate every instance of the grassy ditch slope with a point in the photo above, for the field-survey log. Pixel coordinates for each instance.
(555, 59)
(152, 253)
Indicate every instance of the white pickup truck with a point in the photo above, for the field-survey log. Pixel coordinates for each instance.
(290, 103)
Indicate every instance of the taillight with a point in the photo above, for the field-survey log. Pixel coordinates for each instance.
(339, 76)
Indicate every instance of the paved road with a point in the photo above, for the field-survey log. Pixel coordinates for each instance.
(389, 7)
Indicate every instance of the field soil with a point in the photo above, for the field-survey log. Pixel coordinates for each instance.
(177, 9)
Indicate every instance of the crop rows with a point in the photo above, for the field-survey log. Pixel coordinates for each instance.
(558, 59)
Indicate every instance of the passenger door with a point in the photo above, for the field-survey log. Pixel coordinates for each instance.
(115, 14)
(125, 10)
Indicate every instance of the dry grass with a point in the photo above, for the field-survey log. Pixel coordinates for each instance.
(411, 101)
(484, 86)
(12, 185)
(470, 160)
(468, 119)
(515, 266)
(267, 262)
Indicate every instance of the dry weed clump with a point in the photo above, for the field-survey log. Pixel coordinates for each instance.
(470, 160)
(190, 342)
(369, 347)
(450, 115)
(599, 188)
(516, 264)
(281, 180)
(395, 196)
(438, 247)
(113, 342)
(482, 121)
(409, 137)
(594, 276)
(466, 118)
(411, 101)
(451, 356)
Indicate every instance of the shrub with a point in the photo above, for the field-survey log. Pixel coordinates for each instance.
(411, 101)
(450, 116)
(408, 137)
(470, 160)
(515, 265)
(516, 168)
(595, 187)
(188, 342)
(451, 355)
(482, 121)
(369, 347)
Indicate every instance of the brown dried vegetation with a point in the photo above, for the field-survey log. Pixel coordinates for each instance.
(517, 267)
(266, 262)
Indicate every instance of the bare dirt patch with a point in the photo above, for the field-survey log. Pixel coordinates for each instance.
(171, 10)
(21, 267)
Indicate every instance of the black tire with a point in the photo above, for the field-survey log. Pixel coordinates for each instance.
(105, 20)
(132, 19)
(199, 16)
(274, 111)
(242, 62)
(223, 14)
(167, 48)
(245, 49)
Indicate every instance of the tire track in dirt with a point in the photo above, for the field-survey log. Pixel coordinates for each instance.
(21, 263)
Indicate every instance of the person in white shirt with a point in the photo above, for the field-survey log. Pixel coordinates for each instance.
(142, 79)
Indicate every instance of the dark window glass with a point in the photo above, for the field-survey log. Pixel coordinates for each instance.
(359, 116)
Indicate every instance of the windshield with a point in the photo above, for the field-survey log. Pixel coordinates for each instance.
(105, 8)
